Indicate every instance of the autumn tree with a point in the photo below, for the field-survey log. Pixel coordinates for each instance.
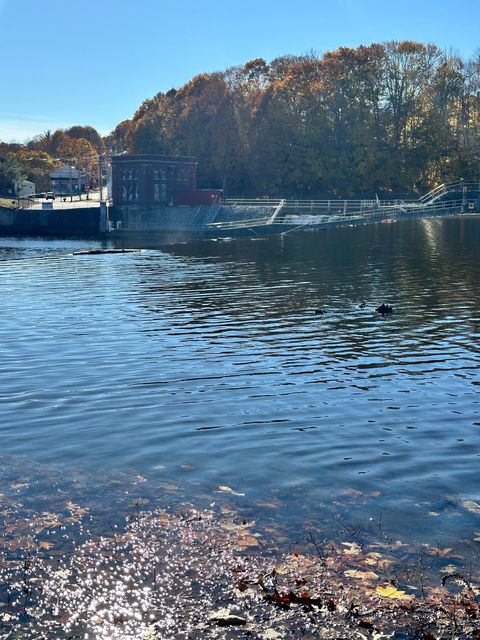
(11, 172)
(88, 133)
(392, 118)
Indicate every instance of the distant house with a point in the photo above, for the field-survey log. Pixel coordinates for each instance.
(67, 180)
(149, 180)
(25, 189)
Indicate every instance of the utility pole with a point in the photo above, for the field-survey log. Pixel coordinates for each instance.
(100, 176)
(71, 186)
(79, 179)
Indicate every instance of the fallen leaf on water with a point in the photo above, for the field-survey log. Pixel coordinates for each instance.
(232, 526)
(267, 505)
(76, 509)
(45, 545)
(351, 493)
(375, 558)
(168, 487)
(241, 585)
(164, 520)
(354, 493)
(361, 575)
(46, 524)
(238, 569)
(225, 618)
(271, 634)
(448, 569)
(247, 541)
(352, 548)
(248, 593)
(391, 592)
(19, 485)
(442, 553)
(474, 507)
(225, 509)
(229, 490)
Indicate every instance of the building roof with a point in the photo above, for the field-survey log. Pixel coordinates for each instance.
(152, 157)
(67, 172)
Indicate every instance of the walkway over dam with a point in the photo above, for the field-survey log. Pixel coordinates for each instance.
(447, 199)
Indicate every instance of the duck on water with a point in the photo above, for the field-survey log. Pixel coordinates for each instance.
(384, 309)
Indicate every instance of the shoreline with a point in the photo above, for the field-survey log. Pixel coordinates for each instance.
(60, 572)
(150, 238)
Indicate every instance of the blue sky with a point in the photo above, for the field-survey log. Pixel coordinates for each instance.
(94, 62)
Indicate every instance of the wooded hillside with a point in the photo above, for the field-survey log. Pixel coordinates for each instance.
(391, 118)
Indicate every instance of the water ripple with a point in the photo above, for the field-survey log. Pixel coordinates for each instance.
(211, 355)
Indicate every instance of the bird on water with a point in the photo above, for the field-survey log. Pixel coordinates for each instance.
(384, 309)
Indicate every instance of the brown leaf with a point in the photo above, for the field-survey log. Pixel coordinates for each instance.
(241, 585)
(361, 575)
(168, 487)
(267, 505)
(45, 545)
(351, 548)
(474, 507)
(247, 541)
(444, 552)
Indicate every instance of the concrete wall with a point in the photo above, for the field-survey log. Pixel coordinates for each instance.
(160, 217)
(66, 222)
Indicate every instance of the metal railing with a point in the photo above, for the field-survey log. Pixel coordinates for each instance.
(458, 186)
(281, 214)
(380, 211)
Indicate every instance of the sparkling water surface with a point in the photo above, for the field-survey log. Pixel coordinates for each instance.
(206, 360)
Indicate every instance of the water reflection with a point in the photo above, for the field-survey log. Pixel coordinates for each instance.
(210, 355)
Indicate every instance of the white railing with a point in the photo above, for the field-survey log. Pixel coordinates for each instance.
(450, 187)
(390, 211)
(339, 204)
(277, 211)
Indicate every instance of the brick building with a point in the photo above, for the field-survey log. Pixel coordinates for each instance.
(149, 180)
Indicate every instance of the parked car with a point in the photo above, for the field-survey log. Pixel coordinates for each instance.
(49, 195)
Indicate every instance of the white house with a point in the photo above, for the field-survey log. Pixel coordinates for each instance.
(25, 189)
(67, 180)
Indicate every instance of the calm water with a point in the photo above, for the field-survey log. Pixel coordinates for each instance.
(204, 364)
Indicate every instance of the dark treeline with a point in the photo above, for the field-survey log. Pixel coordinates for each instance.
(392, 118)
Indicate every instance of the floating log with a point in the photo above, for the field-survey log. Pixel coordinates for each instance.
(96, 252)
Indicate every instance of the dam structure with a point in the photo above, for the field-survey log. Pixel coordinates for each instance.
(214, 217)
(261, 216)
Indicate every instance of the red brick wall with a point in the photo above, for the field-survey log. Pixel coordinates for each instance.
(134, 178)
